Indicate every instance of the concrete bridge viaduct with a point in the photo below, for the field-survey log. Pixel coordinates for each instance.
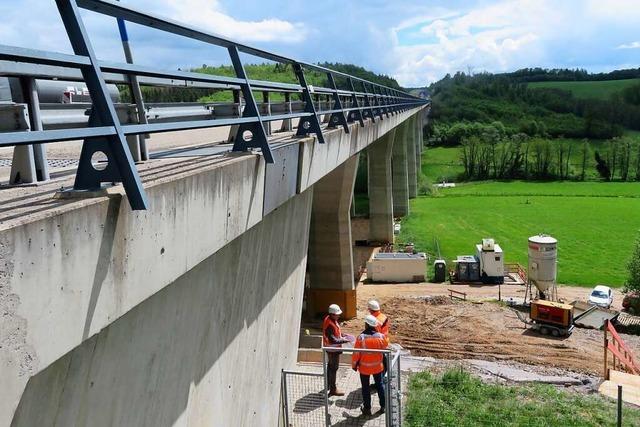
(185, 313)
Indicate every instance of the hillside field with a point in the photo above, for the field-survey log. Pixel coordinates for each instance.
(589, 89)
(595, 224)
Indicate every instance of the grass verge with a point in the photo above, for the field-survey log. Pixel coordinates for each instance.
(457, 399)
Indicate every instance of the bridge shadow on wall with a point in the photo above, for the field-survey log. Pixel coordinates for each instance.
(205, 350)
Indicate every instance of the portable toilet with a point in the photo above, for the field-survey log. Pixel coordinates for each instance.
(440, 271)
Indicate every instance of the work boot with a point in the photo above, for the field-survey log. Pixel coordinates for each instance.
(365, 411)
(335, 392)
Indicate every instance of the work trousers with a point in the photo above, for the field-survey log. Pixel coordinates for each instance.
(332, 369)
(366, 389)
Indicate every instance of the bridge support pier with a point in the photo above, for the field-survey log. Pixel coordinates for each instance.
(380, 189)
(411, 157)
(400, 172)
(330, 261)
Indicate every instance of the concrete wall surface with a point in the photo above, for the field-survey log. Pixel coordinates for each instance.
(207, 350)
(64, 277)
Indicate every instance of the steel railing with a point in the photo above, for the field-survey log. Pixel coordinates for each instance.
(392, 382)
(357, 99)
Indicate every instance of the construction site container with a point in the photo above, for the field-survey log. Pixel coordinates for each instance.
(439, 271)
(467, 268)
(543, 256)
(491, 261)
(397, 267)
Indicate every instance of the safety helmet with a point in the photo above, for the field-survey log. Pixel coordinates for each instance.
(373, 305)
(371, 320)
(334, 309)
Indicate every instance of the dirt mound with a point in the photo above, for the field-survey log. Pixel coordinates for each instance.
(437, 300)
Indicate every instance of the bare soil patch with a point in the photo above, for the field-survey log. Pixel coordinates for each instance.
(441, 328)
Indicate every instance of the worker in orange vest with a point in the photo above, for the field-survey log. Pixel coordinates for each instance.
(383, 320)
(332, 336)
(370, 364)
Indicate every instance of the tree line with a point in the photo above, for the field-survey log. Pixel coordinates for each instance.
(487, 97)
(519, 156)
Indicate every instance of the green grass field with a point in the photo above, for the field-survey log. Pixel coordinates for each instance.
(595, 224)
(457, 399)
(595, 89)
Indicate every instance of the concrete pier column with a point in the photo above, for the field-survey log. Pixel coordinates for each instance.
(400, 175)
(380, 189)
(330, 261)
(411, 157)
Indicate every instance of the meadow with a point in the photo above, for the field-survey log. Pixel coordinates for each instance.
(595, 224)
(455, 398)
(588, 89)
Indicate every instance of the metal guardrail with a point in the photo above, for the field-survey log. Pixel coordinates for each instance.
(107, 134)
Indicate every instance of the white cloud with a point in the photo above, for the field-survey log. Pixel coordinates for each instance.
(493, 37)
(509, 34)
(632, 45)
(208, 14)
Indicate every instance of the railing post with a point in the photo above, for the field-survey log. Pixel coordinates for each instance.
(355, 104)
(142, 150)
(310, 123)
(285, 399)
(388, 386)
(30, 91)
(255, 136)
(326, 388)
(369, 112)
(120, 166)
(606, 343)
(399, 392)
(339, 117)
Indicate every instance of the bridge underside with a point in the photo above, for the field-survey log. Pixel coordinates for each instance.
(186, 313)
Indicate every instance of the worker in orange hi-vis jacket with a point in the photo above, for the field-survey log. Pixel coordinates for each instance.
(333, 337)
(370, 364)
(383, 320)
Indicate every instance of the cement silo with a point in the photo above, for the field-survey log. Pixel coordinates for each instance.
(543, 258)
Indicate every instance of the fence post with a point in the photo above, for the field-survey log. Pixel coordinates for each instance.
(326, 388)
(619, 406)
(387, 397)
(606, 370)
(285, 398)
(399, 392)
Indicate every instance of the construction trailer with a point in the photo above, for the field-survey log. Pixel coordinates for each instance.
(486, 266)
(491, 259)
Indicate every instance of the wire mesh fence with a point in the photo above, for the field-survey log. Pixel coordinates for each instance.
(304, 398)
(394, 387)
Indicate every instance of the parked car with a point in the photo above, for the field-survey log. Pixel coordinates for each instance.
(631, 303)
(602, 296)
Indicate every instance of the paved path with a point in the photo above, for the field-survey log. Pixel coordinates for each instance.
(307, 400)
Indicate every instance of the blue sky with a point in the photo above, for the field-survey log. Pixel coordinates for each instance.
(417, 42)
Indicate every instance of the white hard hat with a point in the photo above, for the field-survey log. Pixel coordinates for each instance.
(334, 309)
(373, 305)
(371, 320)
